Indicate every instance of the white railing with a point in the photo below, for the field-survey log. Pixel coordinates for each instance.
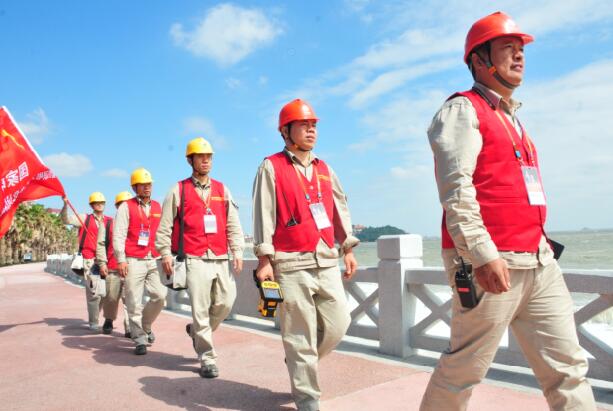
(405, 306)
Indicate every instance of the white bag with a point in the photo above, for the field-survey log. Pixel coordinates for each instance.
(99, 288)
(77, 265)
(178, 279)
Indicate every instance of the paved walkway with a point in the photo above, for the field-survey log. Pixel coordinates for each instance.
(49, 360)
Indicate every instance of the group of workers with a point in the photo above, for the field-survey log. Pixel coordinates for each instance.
(489, 184)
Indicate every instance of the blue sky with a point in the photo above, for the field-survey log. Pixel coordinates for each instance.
(101, 88)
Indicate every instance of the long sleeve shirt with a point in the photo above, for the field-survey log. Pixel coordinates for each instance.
(456, 143)
(265, 217)
(234, 231)
(101, 257)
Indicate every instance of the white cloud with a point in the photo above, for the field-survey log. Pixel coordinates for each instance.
(115, 173)
(420, 38)
(68, 165)
(227, 34)
(203, 127)
(36, 126)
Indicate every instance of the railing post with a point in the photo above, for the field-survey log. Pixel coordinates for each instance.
(396, 254)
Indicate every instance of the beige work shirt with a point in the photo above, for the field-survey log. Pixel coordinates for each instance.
(120, 228)
(236, 238)
(72, 219)
(101, 257)
(456, 143)
(265, 218)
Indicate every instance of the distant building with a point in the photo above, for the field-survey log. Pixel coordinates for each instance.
(358, 227)
(55, 211)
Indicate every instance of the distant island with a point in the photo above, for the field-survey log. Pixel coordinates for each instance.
(368, 234)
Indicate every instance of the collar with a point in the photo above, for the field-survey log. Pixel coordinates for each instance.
(496, 99)
(199, 184)
(141, 202)
(295, 159)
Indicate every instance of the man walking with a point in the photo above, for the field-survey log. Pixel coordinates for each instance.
(211, 228)
(105, 258)
(300, 209)
(489, 184)
(136, 224)
(89, 225)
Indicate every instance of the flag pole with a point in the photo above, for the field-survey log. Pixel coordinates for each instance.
(77, 214)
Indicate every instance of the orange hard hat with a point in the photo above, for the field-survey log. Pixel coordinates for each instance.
(296, 110)
(489, 27)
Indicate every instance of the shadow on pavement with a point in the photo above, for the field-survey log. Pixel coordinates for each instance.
(118, 350)
(200, 394)
(7, 327)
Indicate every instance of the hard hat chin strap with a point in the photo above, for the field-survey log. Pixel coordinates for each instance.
(494, 72)
(294, 145)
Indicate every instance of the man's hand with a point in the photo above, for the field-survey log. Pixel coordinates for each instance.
(351, 265)
(493, 277)
(237, 265)
(122, 268)
(104, 270)
(264, 272)
(167, 265)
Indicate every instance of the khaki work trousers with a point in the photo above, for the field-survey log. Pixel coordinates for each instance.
(314, 318)
(539, 310)
(115, 290)
(93, 301)
(212, 292)
(143, 274)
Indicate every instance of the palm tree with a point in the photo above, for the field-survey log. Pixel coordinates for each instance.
(36, 230)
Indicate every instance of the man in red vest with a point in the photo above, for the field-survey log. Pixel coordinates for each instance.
(135, 226)
(489, 184)
(105, 258)
(299, 211)
(211, 228)
(87, 244)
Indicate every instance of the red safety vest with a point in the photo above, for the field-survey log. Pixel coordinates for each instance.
(139, 221)
(111, 260)
(513, 224)
(91, 236)
(195, 241)
(291, 202)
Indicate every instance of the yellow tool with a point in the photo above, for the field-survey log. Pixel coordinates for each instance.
(270, 297)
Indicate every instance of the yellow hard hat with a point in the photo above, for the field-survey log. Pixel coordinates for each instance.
(140, 176)
(97, 197)
(198, 146)
(123, 196)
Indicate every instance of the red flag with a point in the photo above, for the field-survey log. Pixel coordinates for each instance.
(23, 175)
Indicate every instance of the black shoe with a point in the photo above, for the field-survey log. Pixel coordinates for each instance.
(141, 349)
(150, 337)
(127, 335)
(107, 328)
(209, 371)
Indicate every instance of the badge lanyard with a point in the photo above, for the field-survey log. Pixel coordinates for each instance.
(210, 220)
(306, 193)
(317, 209)
(143, 236)
(530, 173)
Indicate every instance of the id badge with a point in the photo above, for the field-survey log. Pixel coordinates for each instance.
(210, 224)
(536, 195)
(320, 216)
(143, 238)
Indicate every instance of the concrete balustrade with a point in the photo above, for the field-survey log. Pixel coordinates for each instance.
(390, 302)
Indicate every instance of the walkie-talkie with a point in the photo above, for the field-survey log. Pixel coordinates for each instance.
(465, 286)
